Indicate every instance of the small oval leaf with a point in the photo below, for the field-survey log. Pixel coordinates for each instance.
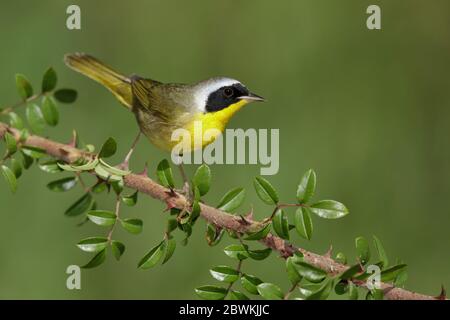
(97, 260)
(80, 206)
(64, 184)
(133, 226)
(49, 80)
(270, 291)
(108, 149)
(23, 87)
(118, 248)
(329, 209)
(232, 200)
(152, 257)
(65, 95)
(93, 244)
(224, 274)
(307, 186)
(303, 223)
(35, 118)
(250, 283)
(164, 174)
(10, 178)
(50, 111)
(362, 249)
(211, 292)
(202, 179)
(265, 191)
(281, 224)
(102, 218)
(309, 272)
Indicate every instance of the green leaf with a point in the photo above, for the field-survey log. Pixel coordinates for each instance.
(224, 274)
(118, 248)
(265, 191)
(97, 260)
(341, 288)
(65, 95)
(93, 244)
(116, 181)
(309, 272)
(352, 291)
(362, 250)
(35, 118)
(281, 224)
(341, 258)
(16, 168)
(213, 234)
(323, 292)
(375, 294)
(329, 209)
(195, 212)
(108, 149)
(381, 252)
(50, 167)
(237, 295)
(49, 80)
(33, 152)
(351, 272)
(133, 226)
(152, 257)
(202, 179)
(211, 292)
(102, 218)
(250, 283)
(307, 186)
(270, 291)
(80, 206)
(113, 170)
(292, 272)
(11, 144)
(171, 225)
(15, 121)
(164, 173)
(232, 200)
(99, 187)
(303, 223)
(391, 273)
(24, 134)
(64, 184)
(236, 251)
(169, 249)
(23, 87)
(50, 111)
(27, 160)
(308, 289)
(259, 254)
(10, 178)
(131, 200)
(260, 234)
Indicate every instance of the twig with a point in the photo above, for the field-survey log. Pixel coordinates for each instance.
(213, 215)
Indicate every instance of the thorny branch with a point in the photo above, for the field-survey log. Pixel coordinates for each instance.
(221, 219)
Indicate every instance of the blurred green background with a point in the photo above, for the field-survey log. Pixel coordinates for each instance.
(368, 110)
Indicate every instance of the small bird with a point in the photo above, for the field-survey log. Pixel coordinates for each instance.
(160, 108)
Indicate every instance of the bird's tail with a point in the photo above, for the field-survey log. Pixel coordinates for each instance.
(118, 84)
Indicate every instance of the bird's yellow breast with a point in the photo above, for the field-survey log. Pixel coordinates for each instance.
(212, 123)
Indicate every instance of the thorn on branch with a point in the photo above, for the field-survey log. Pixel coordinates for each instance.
(443, 294)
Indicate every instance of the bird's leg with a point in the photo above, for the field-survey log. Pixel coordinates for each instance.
(126, 161)
(186, 191)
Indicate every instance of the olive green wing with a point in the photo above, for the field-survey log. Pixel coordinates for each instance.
(163, 101)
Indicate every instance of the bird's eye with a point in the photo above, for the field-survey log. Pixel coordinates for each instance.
(228, 92)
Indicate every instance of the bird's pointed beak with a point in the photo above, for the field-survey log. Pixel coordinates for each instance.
(252, 97)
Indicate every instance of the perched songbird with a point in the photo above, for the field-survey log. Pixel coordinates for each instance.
(160, 108)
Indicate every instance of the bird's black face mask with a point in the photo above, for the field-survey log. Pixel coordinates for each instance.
(225, 96)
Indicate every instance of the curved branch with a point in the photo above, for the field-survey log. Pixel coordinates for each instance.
(144, 184)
